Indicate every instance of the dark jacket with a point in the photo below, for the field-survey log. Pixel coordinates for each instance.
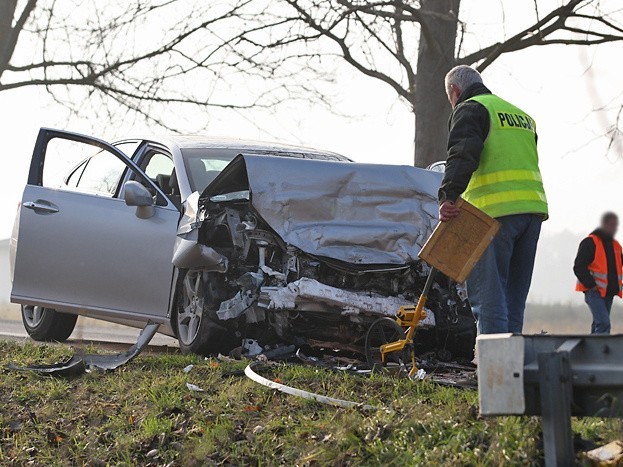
(586, 255)
(469, 128)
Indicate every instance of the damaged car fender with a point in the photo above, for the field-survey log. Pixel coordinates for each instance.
(188, 253)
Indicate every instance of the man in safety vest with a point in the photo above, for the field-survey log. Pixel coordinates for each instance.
(493, 163)
(598, 267)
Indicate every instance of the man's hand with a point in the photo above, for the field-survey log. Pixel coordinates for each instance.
(447, 211)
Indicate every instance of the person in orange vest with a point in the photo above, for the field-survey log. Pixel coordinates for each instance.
(598, 267)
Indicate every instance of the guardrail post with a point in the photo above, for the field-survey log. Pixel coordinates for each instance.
(555, 386)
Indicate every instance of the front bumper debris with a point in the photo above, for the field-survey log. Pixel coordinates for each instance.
(79, 364)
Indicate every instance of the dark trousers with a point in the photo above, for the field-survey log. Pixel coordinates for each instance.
(600, 309)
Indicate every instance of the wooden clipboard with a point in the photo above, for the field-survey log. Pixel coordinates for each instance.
(455, 246)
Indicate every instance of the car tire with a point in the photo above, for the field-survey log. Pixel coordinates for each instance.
(384, 331)
(46, 324)
(195, 320)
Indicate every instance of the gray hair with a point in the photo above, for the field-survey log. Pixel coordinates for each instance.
(462, 76)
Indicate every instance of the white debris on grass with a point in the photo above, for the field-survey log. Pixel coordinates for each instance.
(194, 387)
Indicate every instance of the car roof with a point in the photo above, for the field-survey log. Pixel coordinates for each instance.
(211, 142)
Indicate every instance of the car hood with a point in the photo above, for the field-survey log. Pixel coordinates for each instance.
(361, 214)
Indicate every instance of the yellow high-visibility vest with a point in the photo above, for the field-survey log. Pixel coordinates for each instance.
(508, 180)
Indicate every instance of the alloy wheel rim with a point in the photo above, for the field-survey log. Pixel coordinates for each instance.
(33, 315)
(191, 312)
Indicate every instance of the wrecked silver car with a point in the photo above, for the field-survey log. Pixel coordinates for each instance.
(223, 241)
(312, 252)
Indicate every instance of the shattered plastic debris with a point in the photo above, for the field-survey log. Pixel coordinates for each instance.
(251, 347)
(79, 364)
(280, 352)
(348, 367)
(234, 307)
(447, 374)
(271, 272)
(194, 387)
(244, 299)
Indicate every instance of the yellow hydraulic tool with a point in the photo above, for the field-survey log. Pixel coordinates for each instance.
(409, 317)
(453, 249)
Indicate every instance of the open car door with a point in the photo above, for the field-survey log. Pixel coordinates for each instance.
(80, 247)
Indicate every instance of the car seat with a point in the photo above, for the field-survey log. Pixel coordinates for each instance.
(174, 190)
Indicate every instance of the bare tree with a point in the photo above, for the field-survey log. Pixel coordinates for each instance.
(137, 58)
(151, 58)
(408, 45)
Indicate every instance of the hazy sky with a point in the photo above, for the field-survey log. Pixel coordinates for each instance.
(550, 83)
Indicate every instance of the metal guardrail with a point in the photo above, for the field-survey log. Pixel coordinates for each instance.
(556, 377)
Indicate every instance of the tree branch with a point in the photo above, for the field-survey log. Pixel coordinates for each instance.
(346, 52)
(9, 34)
(524, 39)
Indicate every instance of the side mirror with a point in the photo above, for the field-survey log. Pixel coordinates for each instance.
(135, 194)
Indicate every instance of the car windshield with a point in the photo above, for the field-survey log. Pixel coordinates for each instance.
(204, 165)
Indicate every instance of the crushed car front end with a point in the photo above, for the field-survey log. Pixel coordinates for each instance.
(311, 252)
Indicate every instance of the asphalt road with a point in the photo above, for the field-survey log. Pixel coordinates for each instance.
(86, 332)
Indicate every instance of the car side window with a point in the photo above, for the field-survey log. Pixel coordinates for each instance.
(101, 175)
(159, 164)
(78, 163)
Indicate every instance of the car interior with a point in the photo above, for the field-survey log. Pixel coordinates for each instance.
(197, 171)
(169, 186)
(159, 167)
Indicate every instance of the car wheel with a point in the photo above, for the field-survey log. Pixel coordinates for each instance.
(47, 324)
(384, 331)
(195, 319)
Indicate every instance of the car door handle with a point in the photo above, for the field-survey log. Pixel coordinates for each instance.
(40, 206)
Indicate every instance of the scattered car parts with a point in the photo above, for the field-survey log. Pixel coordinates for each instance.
(252, 375)
(79, 364)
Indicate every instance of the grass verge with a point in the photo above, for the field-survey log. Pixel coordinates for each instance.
(143, 414)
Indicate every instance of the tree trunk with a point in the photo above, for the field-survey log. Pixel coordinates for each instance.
(7, 11)
(435, 58)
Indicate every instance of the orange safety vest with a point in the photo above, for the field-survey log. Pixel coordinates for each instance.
(599, 267)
